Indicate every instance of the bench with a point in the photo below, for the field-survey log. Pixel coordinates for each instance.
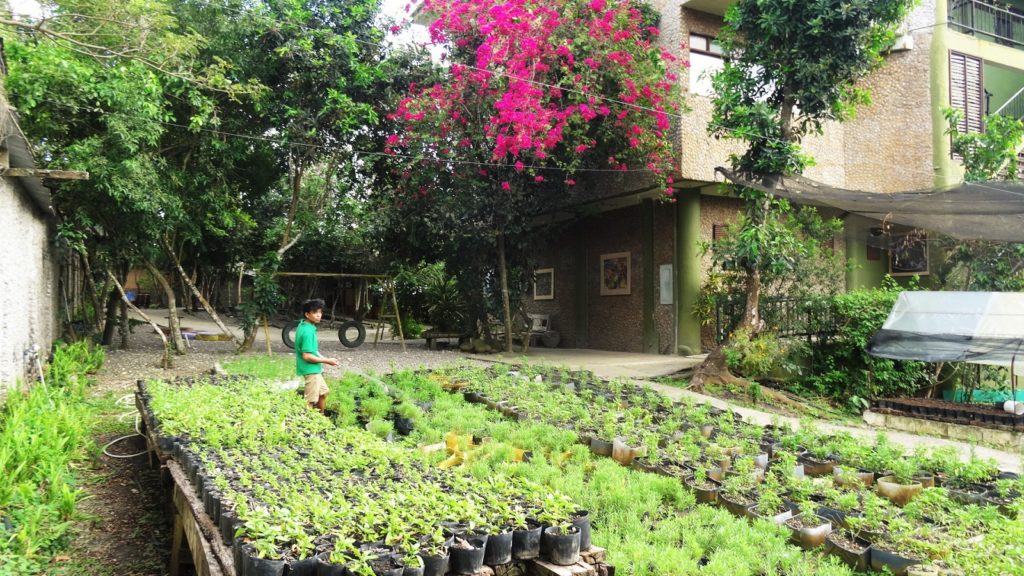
(431, 335)
(541, 332)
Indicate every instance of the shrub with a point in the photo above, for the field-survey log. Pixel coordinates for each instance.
(758, 357)
(843, 369)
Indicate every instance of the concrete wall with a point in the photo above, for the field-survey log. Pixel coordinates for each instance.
(28, 282)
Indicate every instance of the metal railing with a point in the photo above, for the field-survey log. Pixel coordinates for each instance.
(1014, 107)
(986, 19)
(787, 317)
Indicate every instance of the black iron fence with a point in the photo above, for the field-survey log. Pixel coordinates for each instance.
(1004, 25)
(787, 317)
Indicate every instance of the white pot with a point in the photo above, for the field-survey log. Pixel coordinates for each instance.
(1014, 407)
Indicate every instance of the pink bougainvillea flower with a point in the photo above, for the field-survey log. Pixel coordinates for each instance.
(506, 186)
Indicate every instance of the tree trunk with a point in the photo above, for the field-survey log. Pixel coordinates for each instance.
(503, 275)
(752, 312)
(124, 297)
(94, 294)
(172, 308)
(247, 343)
(111, 318)
(206, 305)
(713, 370)
(124, 325)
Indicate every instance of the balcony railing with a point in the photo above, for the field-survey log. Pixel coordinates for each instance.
(1014, 107)
(987, 20)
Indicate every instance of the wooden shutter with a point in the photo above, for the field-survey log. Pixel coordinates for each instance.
(717, 232)
(966, 91)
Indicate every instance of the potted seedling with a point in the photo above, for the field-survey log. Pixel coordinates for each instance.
(817, 460)
(381, 428)
(704, 489)
(809, 529)
(769, 503)
(736, 491)
(563, 543)
(900, 487)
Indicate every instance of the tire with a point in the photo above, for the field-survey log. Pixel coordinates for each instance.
(288, 332)
(360, 333)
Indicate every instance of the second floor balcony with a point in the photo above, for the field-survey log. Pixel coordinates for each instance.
(1002, 23)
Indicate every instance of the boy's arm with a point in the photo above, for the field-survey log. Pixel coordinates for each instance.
(314, 359)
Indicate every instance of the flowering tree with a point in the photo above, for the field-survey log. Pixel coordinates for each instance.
(536, 92)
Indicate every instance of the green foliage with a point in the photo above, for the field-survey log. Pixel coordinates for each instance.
(988, 153)
(758, 357)
(844, 370)
(265, 296)
(42, 433)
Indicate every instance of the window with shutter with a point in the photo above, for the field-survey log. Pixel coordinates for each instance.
(966, 91)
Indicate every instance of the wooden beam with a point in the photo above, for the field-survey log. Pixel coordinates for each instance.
(41, 173)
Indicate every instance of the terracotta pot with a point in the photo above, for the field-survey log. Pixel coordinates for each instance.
(899, 494)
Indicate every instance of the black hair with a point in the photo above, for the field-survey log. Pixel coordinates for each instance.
(312, 305)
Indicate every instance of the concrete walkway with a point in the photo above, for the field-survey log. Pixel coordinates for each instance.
(642, 368)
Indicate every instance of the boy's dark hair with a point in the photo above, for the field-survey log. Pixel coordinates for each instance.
(312, 305)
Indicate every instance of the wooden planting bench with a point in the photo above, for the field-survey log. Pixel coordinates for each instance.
(431, 335)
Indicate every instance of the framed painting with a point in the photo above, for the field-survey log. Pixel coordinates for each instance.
(908, 254)
(544, 284)
(615, 274)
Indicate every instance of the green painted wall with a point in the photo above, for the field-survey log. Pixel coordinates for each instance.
(863, 273)
(1002, 83)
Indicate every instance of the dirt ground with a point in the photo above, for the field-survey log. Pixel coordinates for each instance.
(126, 524)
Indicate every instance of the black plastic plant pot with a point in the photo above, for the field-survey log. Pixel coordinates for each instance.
(498, 549)
(239, 550)
(466, 556)
(600, 447)
(896, 563)
(581, 520)
(435, 565)
(325, 568)
(412, 571)
(227, 525)
(304, 567)
(857, 558)
(526, 543)
(563, 548)
(265, 567)
(387, 566)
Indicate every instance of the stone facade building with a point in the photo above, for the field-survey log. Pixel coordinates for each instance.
(28, 261)
(967, 54)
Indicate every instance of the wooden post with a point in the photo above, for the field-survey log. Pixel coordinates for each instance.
(266, 330)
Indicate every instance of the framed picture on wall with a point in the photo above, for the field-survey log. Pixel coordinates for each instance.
(615, 274)
(908, 254)
(544, 284)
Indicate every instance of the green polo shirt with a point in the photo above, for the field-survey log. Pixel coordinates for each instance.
(305, 341)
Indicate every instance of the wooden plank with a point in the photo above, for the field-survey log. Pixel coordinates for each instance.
(594, 555)
(210, 555)
(541, 568)
(52, 174)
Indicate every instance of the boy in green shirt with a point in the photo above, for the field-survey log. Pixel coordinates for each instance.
(307, 355)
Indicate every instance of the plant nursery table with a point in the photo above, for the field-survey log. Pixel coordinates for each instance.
(191, 523)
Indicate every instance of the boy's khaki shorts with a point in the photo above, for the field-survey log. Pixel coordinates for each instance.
(315, 387)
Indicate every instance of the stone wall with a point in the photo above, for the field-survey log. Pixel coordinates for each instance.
(28, 282)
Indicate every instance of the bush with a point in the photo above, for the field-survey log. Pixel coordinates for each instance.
(755, 358)
(843, 369)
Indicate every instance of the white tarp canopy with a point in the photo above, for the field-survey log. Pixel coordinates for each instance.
(978, 327)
